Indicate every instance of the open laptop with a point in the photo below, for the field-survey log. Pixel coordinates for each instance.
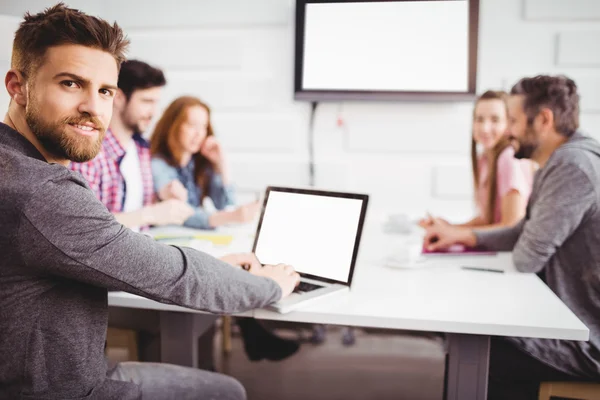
(316, 232)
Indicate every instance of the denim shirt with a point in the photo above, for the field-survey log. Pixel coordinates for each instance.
(221, 195)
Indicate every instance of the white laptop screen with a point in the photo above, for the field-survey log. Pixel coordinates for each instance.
(313, 233)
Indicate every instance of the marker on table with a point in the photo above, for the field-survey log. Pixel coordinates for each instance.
(482, 269)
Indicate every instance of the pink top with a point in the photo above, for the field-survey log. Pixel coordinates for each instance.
(512, 174)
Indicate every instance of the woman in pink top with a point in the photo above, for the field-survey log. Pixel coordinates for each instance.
(502, 183)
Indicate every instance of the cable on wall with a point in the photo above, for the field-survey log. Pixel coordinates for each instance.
(311, 143)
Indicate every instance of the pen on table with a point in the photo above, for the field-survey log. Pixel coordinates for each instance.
(482, 269)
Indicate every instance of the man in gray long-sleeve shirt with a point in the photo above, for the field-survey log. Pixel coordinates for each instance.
(61, 248)
(558, 239)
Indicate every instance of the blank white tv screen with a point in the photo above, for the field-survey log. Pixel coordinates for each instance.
(391, 46)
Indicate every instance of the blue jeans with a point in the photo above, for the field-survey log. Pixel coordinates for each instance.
(166, 381)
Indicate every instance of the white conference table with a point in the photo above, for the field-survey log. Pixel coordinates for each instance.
(437, 296)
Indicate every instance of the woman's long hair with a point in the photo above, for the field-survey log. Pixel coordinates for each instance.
(502, 144)
(164, 142)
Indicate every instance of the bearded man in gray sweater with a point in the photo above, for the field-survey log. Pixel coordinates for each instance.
(62, 250)
(559, 238)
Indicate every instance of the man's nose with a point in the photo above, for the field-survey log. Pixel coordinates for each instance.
(90, 104)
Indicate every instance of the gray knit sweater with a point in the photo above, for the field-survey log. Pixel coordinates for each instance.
(560, 239)
(60, 253)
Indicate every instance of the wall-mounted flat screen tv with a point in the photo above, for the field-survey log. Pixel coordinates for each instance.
(386, 50)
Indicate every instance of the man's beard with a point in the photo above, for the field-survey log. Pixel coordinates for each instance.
(131, 123)
(135, 128)
(528, 145)
(57, 141)
(525, 151)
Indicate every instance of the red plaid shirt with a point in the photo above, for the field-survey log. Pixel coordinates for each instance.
(104, 175)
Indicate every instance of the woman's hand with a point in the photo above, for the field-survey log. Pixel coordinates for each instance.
(211, 149)
(173, 190)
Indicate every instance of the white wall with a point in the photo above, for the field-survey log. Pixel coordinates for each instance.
(8, 26)
(238, 56)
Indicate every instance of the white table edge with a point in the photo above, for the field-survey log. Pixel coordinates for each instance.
(122, 299)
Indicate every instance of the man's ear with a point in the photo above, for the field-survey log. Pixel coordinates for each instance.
(120, 100)
(16, 86)
(546, 119)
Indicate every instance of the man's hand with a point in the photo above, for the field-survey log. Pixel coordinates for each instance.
(440, 236)
(168, 212)
(285, 276)
(173, 190)
(247, 261)
(246, 213)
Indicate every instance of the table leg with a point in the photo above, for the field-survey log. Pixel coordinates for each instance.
(179, 333)
(467, 367)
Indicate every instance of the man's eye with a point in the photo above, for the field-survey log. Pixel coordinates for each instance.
(70, 84)
(106, 92)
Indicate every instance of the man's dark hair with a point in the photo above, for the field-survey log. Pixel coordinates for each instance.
(60, 25)
(136, 75)
(558, 93)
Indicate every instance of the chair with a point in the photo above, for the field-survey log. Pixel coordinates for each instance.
(569, 390)
(121, 345)
(226, 334)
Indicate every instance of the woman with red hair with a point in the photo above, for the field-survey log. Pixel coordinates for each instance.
(188, 164)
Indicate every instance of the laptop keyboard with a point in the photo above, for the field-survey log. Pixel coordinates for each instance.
(306, 287)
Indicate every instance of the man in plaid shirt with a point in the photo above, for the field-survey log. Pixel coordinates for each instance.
(121, 175)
